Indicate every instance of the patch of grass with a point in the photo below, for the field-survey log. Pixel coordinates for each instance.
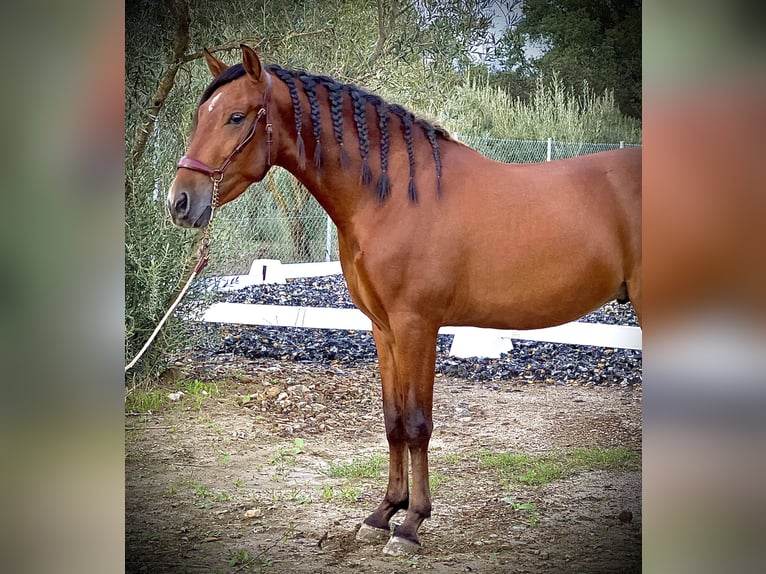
(301, 496)
(223, 497)
(526, 510)
(286, 457)
(205, 495)
(287, 454)
(350, 493)
(240, 558)
(198, 390)
(543, 472)
(436, 480)
(197, 387)
(369, 467)
(144, 401)
(346, 493)
(506, 462)
(451, 458)
(200, 490)
(541, 469)
(274, 496)
(618, 458)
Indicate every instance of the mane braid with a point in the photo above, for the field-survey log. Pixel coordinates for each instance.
(359, 99)
(360, 119)
(384, 186)
(308, 87)
(287, 78)
(407, 120)
(430, 132)
(335, 95)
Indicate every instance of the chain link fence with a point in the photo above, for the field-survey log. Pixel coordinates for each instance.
(278, 219)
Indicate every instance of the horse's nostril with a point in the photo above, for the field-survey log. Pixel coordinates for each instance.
(182, 204)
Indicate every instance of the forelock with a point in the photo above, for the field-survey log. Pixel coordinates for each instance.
(228, 75)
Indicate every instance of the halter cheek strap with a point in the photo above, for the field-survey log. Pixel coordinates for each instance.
(216, 175)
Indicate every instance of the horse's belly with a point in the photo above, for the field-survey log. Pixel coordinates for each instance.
(535, 300)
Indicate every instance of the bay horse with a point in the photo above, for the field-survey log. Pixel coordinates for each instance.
(430, 232)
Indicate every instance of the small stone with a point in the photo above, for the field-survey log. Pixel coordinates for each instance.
(625, 516)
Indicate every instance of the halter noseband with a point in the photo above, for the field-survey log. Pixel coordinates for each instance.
(216, 175)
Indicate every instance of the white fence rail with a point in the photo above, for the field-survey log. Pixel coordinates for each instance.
(468, 341)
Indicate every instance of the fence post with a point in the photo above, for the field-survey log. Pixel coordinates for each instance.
(550, 145)
(622, 144)
(327, 239)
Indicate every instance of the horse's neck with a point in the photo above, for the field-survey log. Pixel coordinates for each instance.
(337, 191)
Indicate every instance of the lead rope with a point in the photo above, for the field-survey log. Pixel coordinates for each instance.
(216, 178)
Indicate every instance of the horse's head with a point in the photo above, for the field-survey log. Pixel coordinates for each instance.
(231, 140)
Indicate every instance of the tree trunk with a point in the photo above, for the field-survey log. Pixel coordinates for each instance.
(180, 9)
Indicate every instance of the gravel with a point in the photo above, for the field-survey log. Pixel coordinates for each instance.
(529, 361)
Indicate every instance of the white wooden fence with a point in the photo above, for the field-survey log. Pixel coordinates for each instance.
(467, 342)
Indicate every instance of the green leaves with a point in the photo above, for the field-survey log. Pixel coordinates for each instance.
(599, 42)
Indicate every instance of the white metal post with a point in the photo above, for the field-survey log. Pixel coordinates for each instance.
(328, 239)
(550, 145)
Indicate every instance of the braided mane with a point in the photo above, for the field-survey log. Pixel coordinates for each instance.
(360, 100)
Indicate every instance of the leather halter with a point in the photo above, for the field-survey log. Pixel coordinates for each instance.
(216, 175)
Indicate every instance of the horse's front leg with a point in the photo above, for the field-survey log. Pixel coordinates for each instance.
(415, 354)
(376, 526)
(407, 371)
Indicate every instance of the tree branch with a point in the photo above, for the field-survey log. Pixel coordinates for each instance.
(250, 41)
(293, 34)
(383, 31)
(180, 9)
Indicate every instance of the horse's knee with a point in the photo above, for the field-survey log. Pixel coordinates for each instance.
(418, 429)
(394, 427)
(414, 426)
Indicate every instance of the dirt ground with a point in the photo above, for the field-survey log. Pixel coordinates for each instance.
(218, 482)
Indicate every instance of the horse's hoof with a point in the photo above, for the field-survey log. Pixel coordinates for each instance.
(370, 535)
(397, 546)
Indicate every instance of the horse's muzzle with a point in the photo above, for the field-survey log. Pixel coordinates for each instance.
(183, 214)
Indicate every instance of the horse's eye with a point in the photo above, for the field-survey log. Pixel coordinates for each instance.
(236, 118)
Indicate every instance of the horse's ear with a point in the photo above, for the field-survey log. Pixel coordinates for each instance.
(250, 62)
(215, 65)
